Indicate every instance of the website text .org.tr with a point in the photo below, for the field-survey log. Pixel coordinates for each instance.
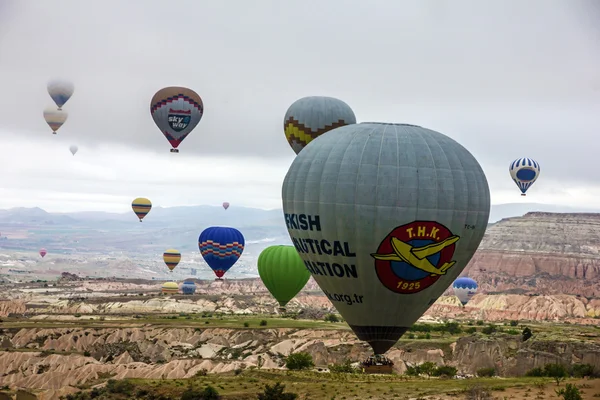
(344, 298)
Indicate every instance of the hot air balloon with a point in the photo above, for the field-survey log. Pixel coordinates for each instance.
(60, 91)
(176, 111)
(171, 257)
(55, 118)
(141, 206)
(464, 289)
(226, 205)
(385, 217)
(43, 252)
(221, 247)
(283, 272)
(188, 287)
(170, 288)
(310, 117)
(73, 149)
(524, 171)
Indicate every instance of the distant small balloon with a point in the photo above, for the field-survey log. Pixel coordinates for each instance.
(226, 205)
(170, 288)
(141, 207)
(73, 149)
(43, 252)
(55, 118)
(464, 289)
(171, 257)
(188, 287)
(524, 172)
(60, 91)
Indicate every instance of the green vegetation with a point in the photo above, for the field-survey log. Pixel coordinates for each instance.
(276, 384)
(559, 372)
(299, 361)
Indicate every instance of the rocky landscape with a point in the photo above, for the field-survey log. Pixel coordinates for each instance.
(541, 269)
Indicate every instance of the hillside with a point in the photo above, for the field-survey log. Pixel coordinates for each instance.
(540, 253)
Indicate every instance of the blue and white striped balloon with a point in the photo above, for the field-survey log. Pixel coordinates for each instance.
(524, 171)
(464, 289)
(60, 91)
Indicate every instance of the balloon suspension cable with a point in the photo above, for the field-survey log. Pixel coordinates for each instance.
(174, 150)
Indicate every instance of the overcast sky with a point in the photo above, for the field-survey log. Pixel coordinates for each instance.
(505, 78)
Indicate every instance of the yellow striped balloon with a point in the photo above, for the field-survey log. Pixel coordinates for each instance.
(55, 118)
(170, 288)
(141, 206)
(171, 258)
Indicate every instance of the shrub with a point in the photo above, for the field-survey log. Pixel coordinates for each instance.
(445, 371)
(263, 322)
(332, 318)
(343, 368)
(486, 372)
(298, 361)
(122, 387)
(569, 392)
(488, 330)
(471, 330)
(583, 370)
(208, 393)
(556, 371)
(514, 323)
(526, 335)
(246, 324)
(275, 392)
(87, 353)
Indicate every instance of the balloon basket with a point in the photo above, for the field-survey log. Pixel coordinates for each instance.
(523, 194)
(218, 279)
(54, 133)
(174, 151)
(281, 310)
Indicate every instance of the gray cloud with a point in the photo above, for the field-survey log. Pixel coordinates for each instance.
(505, 78)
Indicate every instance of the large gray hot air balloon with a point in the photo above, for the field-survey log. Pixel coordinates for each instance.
(310, 117)
(385, 217)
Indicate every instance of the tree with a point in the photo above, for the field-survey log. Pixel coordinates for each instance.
(526, 334)
(570, 392)
(209, 393)
(260, 362)
(445, 371)
(275, 392)
(428, 368)
(556, 371)
(298, 361)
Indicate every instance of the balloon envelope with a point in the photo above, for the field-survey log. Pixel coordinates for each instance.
(170, 288)
(385, 217)
(171, 257)
(60, 91)
(283, 272)
(226, 205)
(141, 207)
(73, 149)
(188, 287)
(55, 118)
(221, 247)
(524, 172)
(309, 117)
(176, 111)
(43, 252)
(464, 288)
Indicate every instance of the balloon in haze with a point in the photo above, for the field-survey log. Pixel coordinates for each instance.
(55, 118)
(73, 149)
(170, 288)
(385, 217)
(226, 205)
(171, 257)
(283, 272)
(464, 289)
(524, 171)
(221, 247)
(60, 91)
(43, 252)
(188, 287)
(176, 111)
(141, 207)
(310, 117)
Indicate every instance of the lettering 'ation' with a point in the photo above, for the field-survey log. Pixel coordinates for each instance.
(335, 269)
(303, 222)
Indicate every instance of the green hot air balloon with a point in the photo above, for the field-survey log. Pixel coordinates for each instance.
(283, 272)
(385, 217)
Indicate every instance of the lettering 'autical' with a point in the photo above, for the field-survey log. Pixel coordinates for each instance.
(303, 222)
(335, 269)
(323, 246)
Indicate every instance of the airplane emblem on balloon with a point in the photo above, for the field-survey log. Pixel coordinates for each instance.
(417, 256)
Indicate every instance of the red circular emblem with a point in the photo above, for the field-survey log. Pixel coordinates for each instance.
(412, 257)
